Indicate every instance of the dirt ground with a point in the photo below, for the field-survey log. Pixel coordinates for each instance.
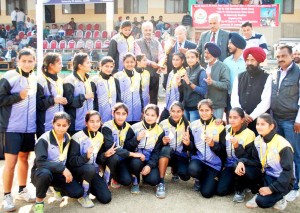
(180, 198)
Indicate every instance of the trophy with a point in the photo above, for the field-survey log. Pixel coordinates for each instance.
(169, 43)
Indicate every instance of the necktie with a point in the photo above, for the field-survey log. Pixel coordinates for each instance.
(213, 38)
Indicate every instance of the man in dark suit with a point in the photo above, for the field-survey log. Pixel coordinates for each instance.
(181, 45)
(216, 35)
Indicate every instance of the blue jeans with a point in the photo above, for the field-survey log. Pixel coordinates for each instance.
(20, 26)
(286, 129)
(192, 115)
(218, 113)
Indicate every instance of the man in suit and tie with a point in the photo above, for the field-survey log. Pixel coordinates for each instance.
(181, 45)
(215, 35)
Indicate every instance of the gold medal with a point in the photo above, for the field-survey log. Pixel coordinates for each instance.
(131, 88)
(61, 157)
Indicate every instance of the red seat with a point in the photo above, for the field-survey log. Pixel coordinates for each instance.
(53, 45)
(7, 27)
(157, 33)
(29, 33)
(88, 34)
(98, 45)
(89, 27)
(96, 34)
(80, 27)
(175, 25)
(97, 27)
(45, 44)
(104, 34)
(21, 34)
(62, 45)
(71, 44)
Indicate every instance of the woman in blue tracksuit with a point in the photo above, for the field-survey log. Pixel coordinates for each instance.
(238, 139)
(107, 92)
(49, 167)
(147, 140)
(274, 155)
(86, 155)
(119, 134)
(174, 83)
(174, 151)
(131, 90)
(141, 64)
(207, 149)
(18, 124)
(79, 92)
(49, 92)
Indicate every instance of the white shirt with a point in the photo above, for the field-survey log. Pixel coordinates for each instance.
(264, 104)
(13, 15)
(20, 16)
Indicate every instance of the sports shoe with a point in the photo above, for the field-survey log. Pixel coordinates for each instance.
(196, 186)
(86, 202)
(38, 208)
(175, 178)
(160, 191)
(292, 195)
(252, 203)
(25, 195)
(135, 189)
(114, 184)
(239, 196)
(281, 204)
(8, 203)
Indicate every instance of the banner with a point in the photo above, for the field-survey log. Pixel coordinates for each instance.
(48, 2)
(236, 15)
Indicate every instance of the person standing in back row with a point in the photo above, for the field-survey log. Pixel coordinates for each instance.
(215, 35)
(285, 101)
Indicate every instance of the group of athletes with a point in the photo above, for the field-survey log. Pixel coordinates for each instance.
(89, 133)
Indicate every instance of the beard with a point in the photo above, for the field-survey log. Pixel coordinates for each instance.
(252, 69)
(208, 60)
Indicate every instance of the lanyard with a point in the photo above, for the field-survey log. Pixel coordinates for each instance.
(263, 159)
(107, 88)
(60, 146)
(96, 141)
(133, 81)
(121, 135)
(57, 85)
(86, 83)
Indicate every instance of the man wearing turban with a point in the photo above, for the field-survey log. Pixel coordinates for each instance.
(252, 89)
(285, 101)
(235, 61)
(217, 79)
(296, 55)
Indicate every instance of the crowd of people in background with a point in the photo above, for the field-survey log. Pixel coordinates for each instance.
(226, 122)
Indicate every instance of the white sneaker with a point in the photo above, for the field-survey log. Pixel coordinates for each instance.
(86, 202)
(25, 195)
(281, 204)
(292, 195)
(8, 203)
(252, 203)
